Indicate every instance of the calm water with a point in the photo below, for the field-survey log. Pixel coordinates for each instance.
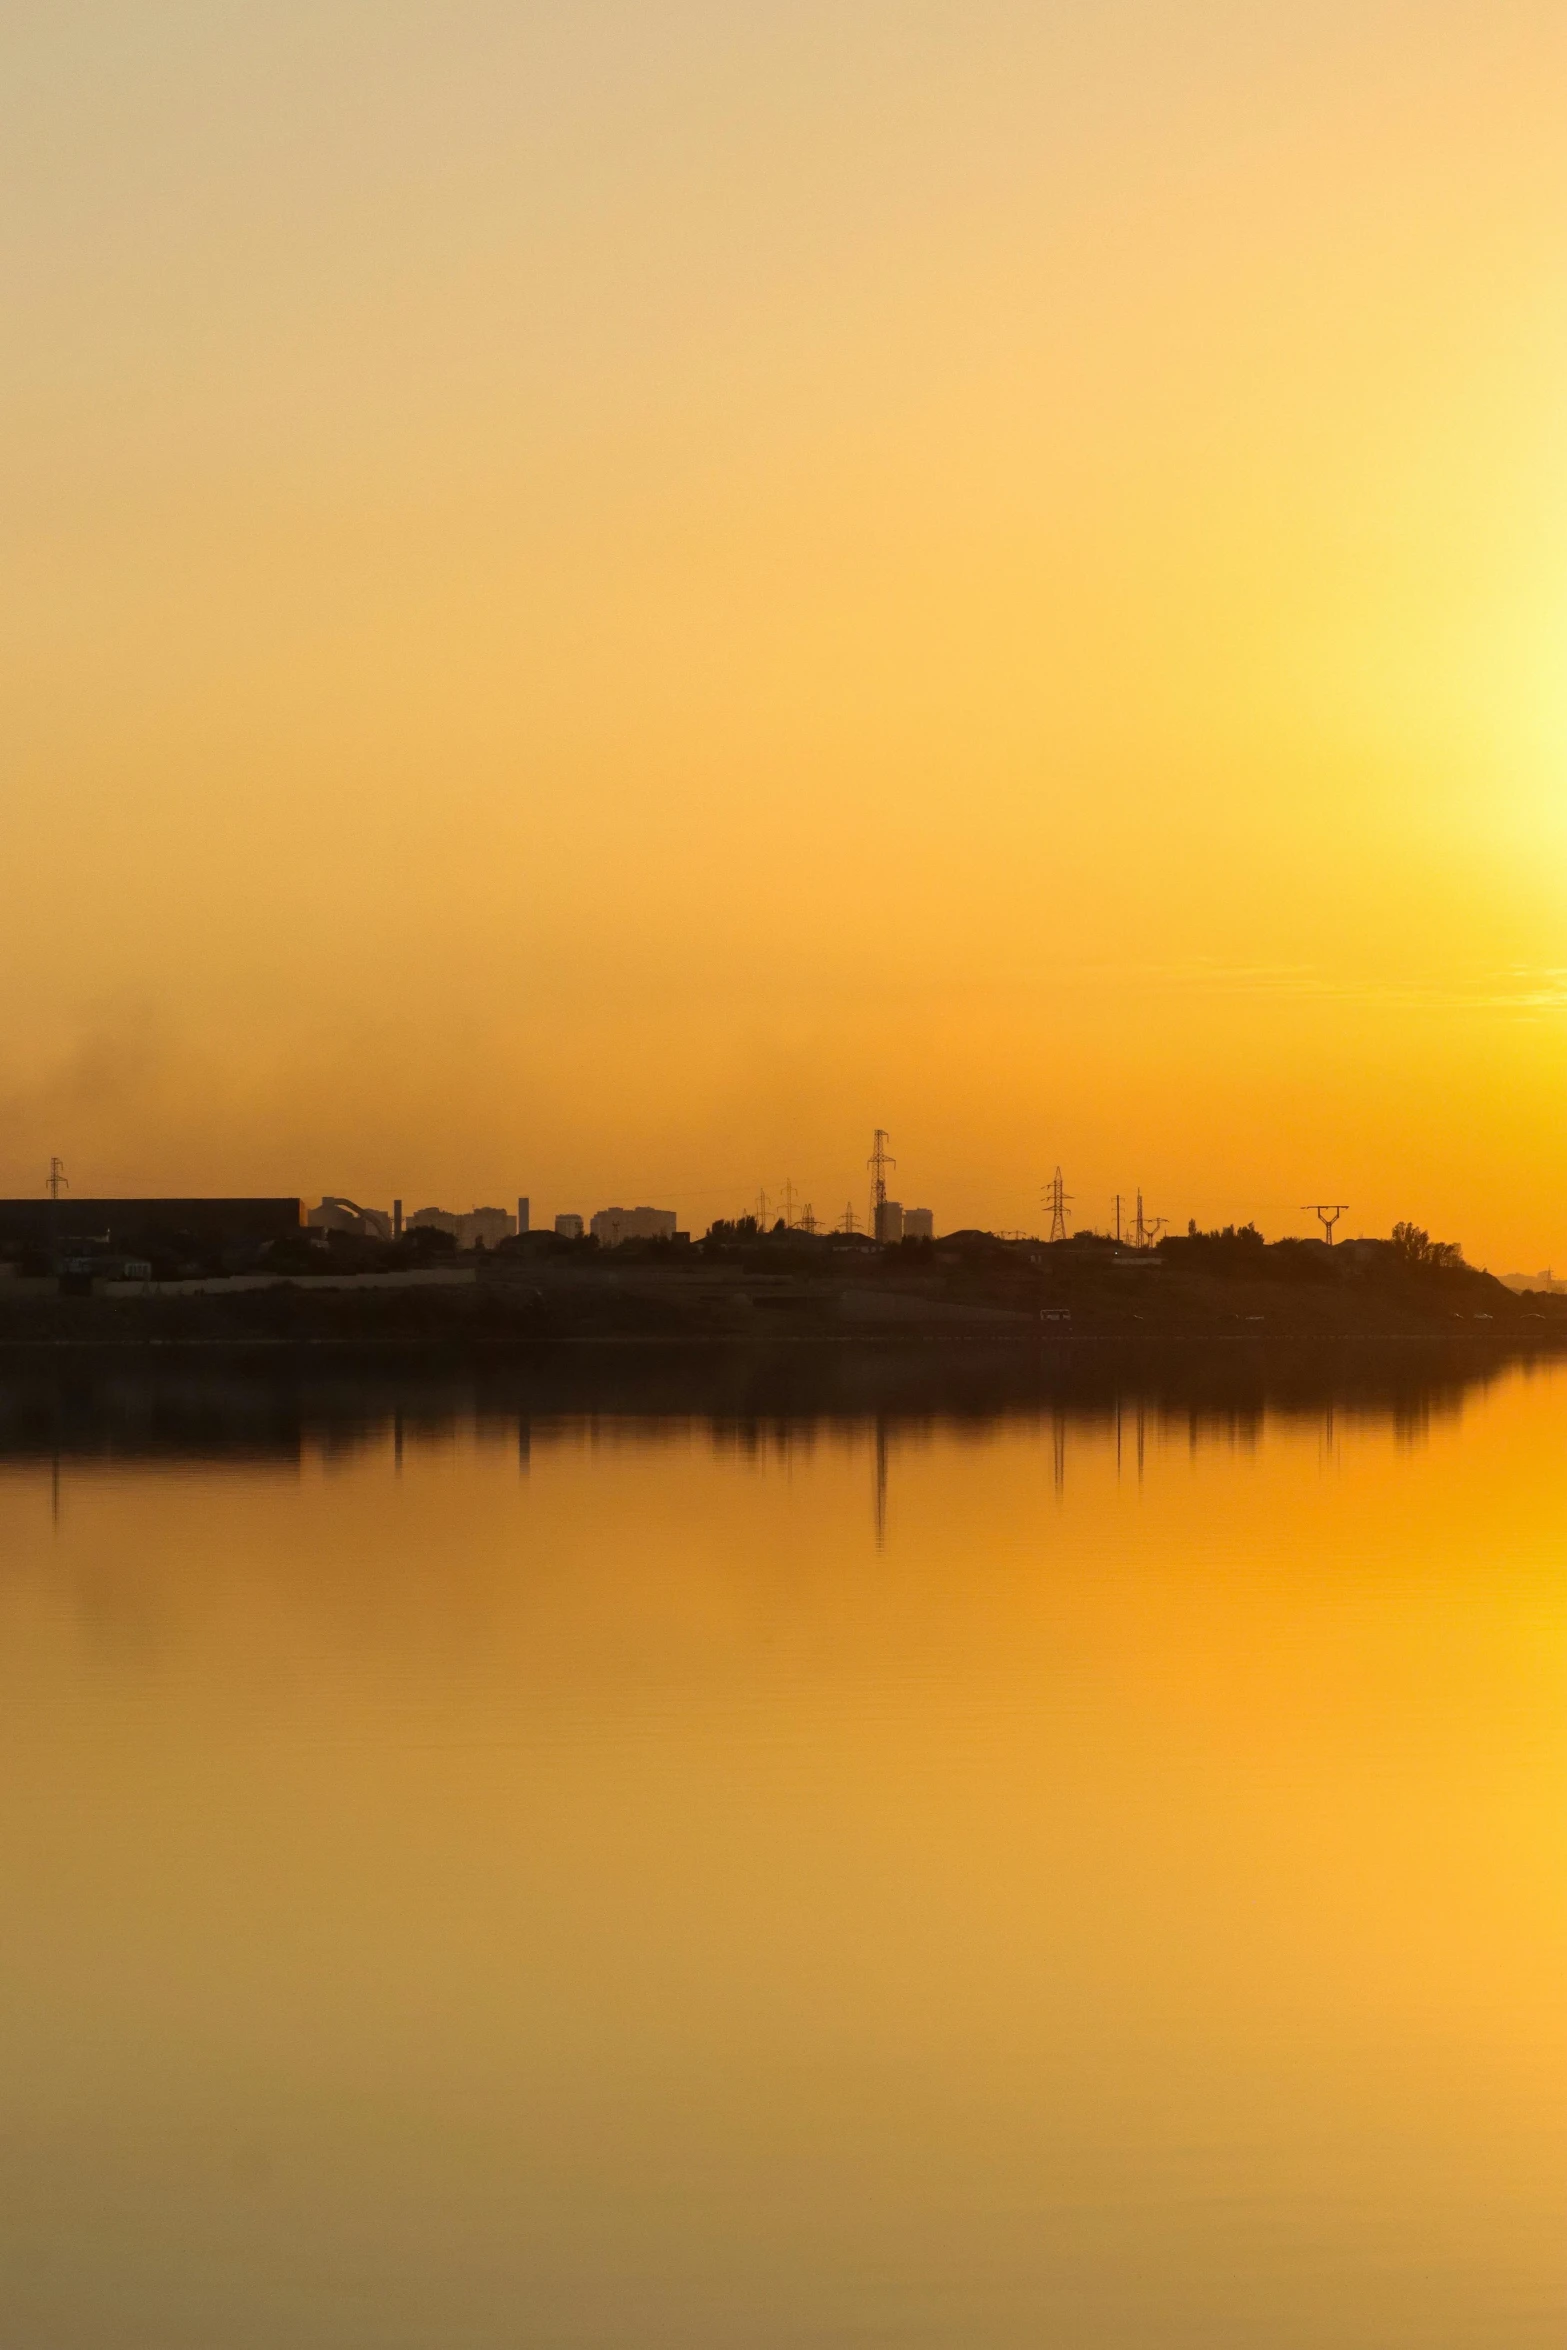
(1082, 1876)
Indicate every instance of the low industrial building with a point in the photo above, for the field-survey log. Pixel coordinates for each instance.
(140, 1226)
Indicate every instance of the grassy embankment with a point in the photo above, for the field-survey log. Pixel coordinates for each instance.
(787, 1289)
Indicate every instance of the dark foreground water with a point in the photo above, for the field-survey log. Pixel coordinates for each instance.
(1078, 1870)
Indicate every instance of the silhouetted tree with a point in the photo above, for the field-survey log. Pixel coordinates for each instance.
(1415, 1246)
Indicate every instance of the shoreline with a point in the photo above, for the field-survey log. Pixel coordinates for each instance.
(543, 1350)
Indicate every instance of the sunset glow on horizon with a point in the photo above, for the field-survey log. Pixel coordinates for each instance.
(603, 600)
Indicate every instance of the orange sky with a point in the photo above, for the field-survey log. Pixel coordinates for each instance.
(602, 598)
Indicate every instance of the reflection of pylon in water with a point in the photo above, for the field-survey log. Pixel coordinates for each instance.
(1057, 1199)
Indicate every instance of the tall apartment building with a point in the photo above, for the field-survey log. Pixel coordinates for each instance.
(895, 1222)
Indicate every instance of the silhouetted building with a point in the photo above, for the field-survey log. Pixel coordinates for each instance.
(480, 1227)
(137, 1225)
(483, 1227)
(346, 1215)
(613, 1225)
(523, 1211)
(569, 1227)
(919, 1223)
(889, 1219)
(1546, 1280)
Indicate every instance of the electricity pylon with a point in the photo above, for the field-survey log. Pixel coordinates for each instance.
(878, 1163)
(1057, 1199)
(1327, 1213)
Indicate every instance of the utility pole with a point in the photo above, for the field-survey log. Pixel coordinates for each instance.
(1057, 1199)
(1327, 1213)
(1147, 1228)
(848, 1222)
(878, 1163)
(787, 1203)
(1118, 1219)
(761, 1208)
(807, 1218)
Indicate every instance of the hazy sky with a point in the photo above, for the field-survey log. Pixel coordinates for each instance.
(601, 598)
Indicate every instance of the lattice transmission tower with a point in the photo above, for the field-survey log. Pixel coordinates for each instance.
(1147, 1229)
(1058, 1200)
(879, 1161)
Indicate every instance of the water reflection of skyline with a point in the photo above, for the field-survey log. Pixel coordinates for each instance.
(1201, 1401)
(604, 1743)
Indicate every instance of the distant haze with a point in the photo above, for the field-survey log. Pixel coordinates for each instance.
(602, 599)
